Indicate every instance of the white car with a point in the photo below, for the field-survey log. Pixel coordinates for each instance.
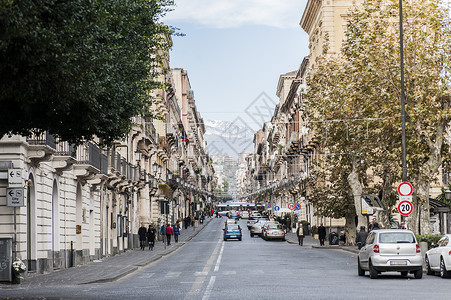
(244, 214)
(438, 259)
(390, 250)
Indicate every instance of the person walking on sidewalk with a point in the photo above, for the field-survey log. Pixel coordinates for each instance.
(300, 234)
(163, 232)
(321, 234)
(361, 237)
(176, 232)
(169, 233)
(151, 232)
(142, 232)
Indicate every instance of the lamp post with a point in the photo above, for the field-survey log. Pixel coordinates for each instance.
(403, 100)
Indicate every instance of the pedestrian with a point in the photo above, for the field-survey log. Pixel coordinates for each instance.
(176, 232)
(169, 233)
(371, 225)
(142, 232)
(375, 226)
(151, 232)
(300, 234)
(403, 226)
(163, 232)
(361, 237)
(321, 234)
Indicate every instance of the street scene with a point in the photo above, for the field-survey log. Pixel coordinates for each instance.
(207, 267)
(203, 149)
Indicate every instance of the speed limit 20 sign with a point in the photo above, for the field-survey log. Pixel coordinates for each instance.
(405, 208)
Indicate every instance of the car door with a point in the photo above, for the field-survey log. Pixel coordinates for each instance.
(434, 254)
(366, 249)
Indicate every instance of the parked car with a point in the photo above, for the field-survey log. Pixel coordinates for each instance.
(244, 214)
(256, 214)
(438, 259)
(256, 229)
(232, 231)
(273, 230)
(390, 250)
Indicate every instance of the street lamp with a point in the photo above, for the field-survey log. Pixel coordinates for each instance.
(448, 195)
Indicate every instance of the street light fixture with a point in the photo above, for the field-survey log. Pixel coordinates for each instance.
(448, 195)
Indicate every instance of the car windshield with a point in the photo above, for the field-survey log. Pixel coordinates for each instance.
(232, 227)
(396, 238)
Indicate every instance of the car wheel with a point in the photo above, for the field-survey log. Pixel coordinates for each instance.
(283, 239)
(443, 272)
(252, 235)
(373, 272)
(418, 274)
(239, 239)
(428, 267)
(404, 273)
(360, 271)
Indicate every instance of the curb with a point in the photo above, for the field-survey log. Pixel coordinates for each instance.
(151, 260)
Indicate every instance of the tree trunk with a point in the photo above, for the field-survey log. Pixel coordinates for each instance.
(384, 216)
(350, 229)
(356, 187)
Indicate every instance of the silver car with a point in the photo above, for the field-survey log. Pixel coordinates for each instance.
(256, 228)
(273, 230)
(390, 250)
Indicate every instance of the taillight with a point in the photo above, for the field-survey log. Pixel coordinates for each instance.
(449, 253)
(227, 231)
(283, 233)
(240, 230)
(418, 248)
(376, 249)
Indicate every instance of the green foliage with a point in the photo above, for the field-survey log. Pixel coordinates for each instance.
(353, 99)
(79, 68)
(428, 238)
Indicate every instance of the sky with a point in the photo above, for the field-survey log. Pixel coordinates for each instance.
(234, 52)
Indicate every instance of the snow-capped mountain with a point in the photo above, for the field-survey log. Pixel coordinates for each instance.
(228, 138)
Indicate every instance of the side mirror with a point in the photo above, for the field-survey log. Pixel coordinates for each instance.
(223, 228)
(434, 245)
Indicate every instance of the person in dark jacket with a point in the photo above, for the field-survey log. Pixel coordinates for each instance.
(300, 234)
(142, 232)
(151, 232)
(321, 234)
(176, 232)
(361, 237)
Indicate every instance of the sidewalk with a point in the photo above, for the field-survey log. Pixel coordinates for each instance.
(309, 241)
(110, 268)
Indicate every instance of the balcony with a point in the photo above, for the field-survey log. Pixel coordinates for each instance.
(164, 150)
(88, 162)
(294, 141)
(41, 146)
(64, 157)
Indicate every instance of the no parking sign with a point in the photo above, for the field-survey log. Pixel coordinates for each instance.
(297, 206)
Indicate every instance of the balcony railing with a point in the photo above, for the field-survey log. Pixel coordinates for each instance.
(65, 149)
(88, 154)
(43, 139)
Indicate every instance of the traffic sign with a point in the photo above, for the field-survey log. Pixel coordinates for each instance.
(14, 197)
(405, 208)
(405, 189)
(269, 205)
(15, 178)
(291, 205)
(297, 206)
(276, 208)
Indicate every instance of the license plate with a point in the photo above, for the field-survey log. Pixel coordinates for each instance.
(233, 236)
(398, 262)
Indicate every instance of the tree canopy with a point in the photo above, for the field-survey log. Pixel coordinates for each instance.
(354, 97)
(78, 68)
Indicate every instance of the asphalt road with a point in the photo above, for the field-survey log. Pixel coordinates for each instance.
(209, 268)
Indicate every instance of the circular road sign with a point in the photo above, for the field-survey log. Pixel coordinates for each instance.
(291, 205)
(269, 205)
(405, 208)
(297, 206)
(276, 208)
(405, 189)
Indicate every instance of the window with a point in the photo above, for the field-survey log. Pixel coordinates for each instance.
(396, 238)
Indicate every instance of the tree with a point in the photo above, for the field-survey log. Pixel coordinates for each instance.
(78, 68)
(359, 90)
